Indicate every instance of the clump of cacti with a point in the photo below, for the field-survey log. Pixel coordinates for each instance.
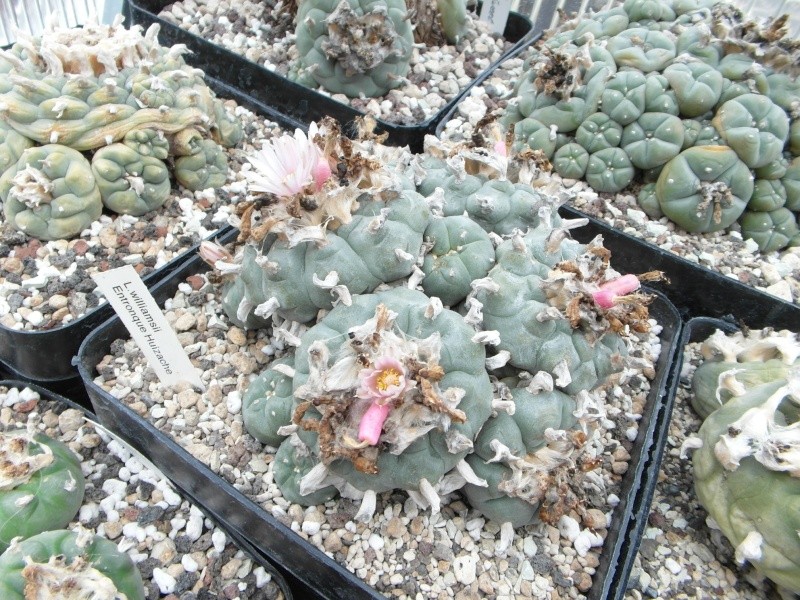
(68, 564)
(363, 47)
(97, 116)
(41, 485)
(400, 281)
(746, 466)
(688, 99)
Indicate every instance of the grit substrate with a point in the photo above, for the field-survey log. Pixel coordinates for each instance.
(681, 556)
(44, 285)
(776, 273)
(403, 552)
(436, 76)
(180, 553)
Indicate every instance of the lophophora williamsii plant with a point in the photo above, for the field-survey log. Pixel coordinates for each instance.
(686, 100)
(446, 330)
(746, 467)
(101, 116)
(68, 564)
(41, 485)
(364, 47)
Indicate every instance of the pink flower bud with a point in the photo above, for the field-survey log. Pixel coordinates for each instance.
(322, 172)
(500, 148)
(211, 253)
(607, 294)
(371, 425)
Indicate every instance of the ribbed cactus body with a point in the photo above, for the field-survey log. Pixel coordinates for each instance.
(354, 47)
(129, 183)
(267, 403)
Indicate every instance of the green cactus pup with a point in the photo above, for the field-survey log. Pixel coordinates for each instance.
(755, 127)
(746, 477)
(41, 485)
(332, 45)
(267, 403)
(771, 230)
(51, 193)
(653, 139)
(570, 161)
(697, 87)
(12, 145)
(206, 168)
(609, 170)
(704, 188)
(50, 563)
(380, 403)
(130, 183)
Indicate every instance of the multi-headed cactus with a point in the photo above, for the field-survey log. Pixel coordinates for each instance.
(641, 83)
(41, 485)
(117, 94)
(374, 398)
(66, 564)
(380, 403)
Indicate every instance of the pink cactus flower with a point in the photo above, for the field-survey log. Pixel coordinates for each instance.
(211, 252)
(382, 383)
(288, 165)
(606, 296)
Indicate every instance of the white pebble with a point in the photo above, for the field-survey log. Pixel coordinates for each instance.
(189, 564)
(262, 577)
(219, 540)
(166, 583)
(568, 527)
(464, 569)
(234, 402)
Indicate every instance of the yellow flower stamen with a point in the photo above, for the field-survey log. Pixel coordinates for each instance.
(387, 378)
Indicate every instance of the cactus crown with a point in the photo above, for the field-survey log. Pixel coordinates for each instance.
(17, 463)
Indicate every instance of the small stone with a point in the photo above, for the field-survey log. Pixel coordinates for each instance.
(395, 528)
(237, 336)
(185, 322)
(58, 301)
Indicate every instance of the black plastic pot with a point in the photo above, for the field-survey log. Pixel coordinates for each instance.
(238, 539)
(296, 101)
(313, 574)
(695, 290)
(45, 356)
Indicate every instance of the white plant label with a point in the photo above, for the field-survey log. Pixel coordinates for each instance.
(148, 326)
(495, 12)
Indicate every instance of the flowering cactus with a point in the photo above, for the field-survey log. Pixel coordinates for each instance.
(116, 93)
(41, 486)
(389, 408)
(47, 564)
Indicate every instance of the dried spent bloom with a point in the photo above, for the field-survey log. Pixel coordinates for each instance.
(757, 433)
(288, 165)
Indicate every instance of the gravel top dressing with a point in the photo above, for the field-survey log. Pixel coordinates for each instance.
(179, 552)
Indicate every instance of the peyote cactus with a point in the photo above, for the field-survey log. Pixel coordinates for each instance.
(392, 381)
(354, 47)
(641, 83)
(389, 275)
(114, 93)
(66, 564)
(41, 485)
(51, 193)
(746, 476)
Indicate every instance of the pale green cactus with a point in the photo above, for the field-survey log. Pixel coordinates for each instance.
(51, 193)
(207, 168)
(771, 230)
(624, 96)
(12, 145)
(609, 170)
(379, 245)
(605, 23)
(697, 87)
(649, 10)
(267, 402)
(115, 92)
(434, 401)
(570, 161)
(704, 188)
(755, 127)
(598, 132)
(531, 328)
(505, 456)
(768, 195)
(332, 46)
(461, 252)
(648, 201)
(642, 49)
(653, 139)
(532, 133)
(130, 183)
(86, 565)
(453, 15)
(746, 485)
(696, 41)
(658, 97)
(791, 183)
(41, 485)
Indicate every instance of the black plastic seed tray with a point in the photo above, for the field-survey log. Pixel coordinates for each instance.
(45, 356)
(296, 101)
(313, 574)
(695, 290)
(240, 541)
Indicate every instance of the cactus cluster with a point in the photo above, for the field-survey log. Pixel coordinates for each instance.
(363, 47)
(696, 107)
(101, 117)
(746, 468)
(447, 332)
